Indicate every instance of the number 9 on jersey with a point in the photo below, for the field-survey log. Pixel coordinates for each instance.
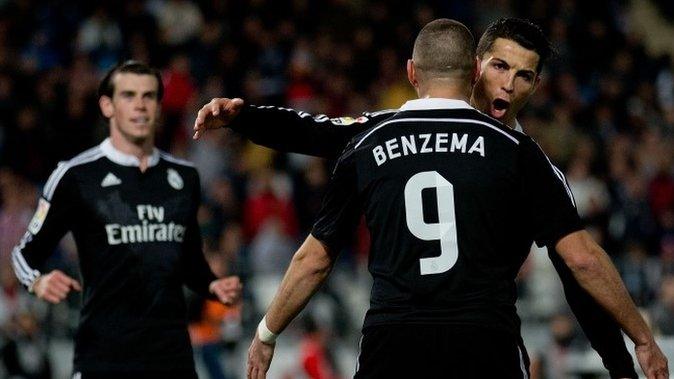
(444, 230)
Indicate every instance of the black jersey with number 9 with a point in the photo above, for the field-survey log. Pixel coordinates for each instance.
(453, 200)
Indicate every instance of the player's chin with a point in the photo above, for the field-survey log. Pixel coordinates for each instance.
(143, 131)
(138, 137)
(498, 114)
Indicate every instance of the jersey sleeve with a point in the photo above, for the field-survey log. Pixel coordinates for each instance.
(341, 208)
(549, 203)
(293, 131)
(599, 327)
(196, 272)
(49, 223)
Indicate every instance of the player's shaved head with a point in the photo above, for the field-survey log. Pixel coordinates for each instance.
(444, 48)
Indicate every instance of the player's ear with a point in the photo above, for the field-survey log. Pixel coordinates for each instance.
(412, 74)
(476, 71)
(537, 82)
(105, 103)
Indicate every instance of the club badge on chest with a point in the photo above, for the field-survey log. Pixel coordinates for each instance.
(174, 179)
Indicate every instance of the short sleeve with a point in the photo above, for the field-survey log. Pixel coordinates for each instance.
(341, 207)
(550, 206)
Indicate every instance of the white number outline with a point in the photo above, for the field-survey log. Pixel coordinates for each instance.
(444, 230)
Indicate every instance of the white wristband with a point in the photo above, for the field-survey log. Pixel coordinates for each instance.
(264, 334)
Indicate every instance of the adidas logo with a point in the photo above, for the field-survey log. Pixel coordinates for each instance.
(110, 180)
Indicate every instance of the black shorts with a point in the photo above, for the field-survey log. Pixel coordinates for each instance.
(438, 351)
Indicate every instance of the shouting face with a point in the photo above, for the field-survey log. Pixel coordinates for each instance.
(506, 80)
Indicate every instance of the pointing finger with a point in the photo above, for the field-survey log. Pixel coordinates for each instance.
(75, 285)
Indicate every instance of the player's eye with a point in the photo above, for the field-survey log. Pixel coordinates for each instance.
(527, 77)
(500, 66)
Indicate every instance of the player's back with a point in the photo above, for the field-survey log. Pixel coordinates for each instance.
(441, 188)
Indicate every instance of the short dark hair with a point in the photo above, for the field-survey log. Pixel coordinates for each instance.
(524, 32)
(107, 87)
(444, 48)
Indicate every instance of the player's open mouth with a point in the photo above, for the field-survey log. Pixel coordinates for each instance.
(499, 107)
(140, 120)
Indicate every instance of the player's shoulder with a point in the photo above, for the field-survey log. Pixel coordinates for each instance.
(475, 116)
(381, 115)
(514, 133)
(172, 160)
(179, 164)
(66, 168)
(86, 157)
(176, 162)
(366, 118)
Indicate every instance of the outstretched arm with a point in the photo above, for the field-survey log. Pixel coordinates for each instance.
(285, 129)
(596, 274)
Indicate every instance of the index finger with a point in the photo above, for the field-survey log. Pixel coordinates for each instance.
(222, 295)
(75, 285)
(201, 117)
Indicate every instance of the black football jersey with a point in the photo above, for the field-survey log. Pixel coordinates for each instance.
(138, 242)
(453, 200)
(290, 130)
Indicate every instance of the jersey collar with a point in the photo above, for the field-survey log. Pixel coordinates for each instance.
(434, 103)
(126, 159)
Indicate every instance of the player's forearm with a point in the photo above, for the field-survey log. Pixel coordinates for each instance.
(197, 274)
(308, 269)
(288, 130)
(600, 328)
(595, 272)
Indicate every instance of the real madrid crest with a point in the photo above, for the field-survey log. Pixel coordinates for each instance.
(174, 179)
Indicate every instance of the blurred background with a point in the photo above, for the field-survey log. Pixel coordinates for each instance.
(604, 113)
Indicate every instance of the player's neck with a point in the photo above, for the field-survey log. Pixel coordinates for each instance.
(444, 92)
(510, 122)
(142, 149)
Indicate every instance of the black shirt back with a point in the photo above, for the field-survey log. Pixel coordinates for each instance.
(453, 200)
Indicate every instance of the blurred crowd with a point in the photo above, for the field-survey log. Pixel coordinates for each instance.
(604, 113)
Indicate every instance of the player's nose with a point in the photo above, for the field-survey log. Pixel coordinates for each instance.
(139, 103)
(508, 84)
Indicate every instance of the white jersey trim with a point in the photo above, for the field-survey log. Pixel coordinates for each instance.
(381, 112)
(458, 120)
(24, 272)
(360, 351)
(433, 103)
(525, 375)
(560, 175)
(56, 176)
(125, 159)
(170, 158)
